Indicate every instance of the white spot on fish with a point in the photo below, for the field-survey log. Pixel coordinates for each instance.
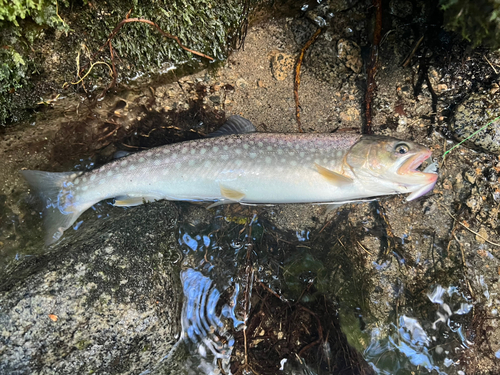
(253, 155)
(77, 181)
(225, 148)
(203, 150)
(283, 160)
(191, 163)
(207, 163)
(301, 154)
(293, 162)
(124, 163)
(193, 151)
(178, 165)
(102, 181)
(238, 151)
(224, 157)
(260, 144)
(131, 168)
(268, 160)
(157, 162)
(85, 187)
(245, 146)
(269, 148)
(184, 150)
(141, 159)
(110, 173)
(215, 149)
(230, 140)
(280, 151)
(238, 162)
(165, 150)
(238, 140)
(92, 178)
(73, 175)
(149, 153)
(84, 179)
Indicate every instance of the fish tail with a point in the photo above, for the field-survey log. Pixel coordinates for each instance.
(60, 208)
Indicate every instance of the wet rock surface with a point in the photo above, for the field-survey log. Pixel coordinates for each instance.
(107, 300)
(412, 284)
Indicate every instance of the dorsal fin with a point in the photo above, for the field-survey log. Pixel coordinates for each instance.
(234, 125)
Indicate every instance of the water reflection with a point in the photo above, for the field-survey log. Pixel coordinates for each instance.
(417, 343)
(210, 300)
(202, 327)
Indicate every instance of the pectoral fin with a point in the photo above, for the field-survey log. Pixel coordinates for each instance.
(333, 177)
(127, 201)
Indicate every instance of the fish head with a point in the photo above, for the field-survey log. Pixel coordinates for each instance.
(389, 165)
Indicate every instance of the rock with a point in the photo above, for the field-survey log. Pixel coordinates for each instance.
(474, 113)
(105, 300)
(350, 54)
(281, 65)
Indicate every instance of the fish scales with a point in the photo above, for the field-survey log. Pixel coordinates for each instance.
(250, 168)
(196, 170)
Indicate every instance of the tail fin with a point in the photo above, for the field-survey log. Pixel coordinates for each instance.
(59, 208)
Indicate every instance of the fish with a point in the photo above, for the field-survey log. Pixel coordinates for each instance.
(237, 164)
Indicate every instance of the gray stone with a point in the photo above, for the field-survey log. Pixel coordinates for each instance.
(104, 300)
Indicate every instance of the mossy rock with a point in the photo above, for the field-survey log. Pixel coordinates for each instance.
(45, 45)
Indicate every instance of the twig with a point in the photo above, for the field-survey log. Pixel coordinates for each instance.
(371, 85)
(296, 83)
(492, 67)
(470, 230)
(115, 31)
(170, 36)
(407, 61)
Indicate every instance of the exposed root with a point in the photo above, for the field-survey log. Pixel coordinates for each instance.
(296, 83)
(112, 54)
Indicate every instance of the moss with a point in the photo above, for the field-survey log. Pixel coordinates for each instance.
(476, 21)
(44, 44)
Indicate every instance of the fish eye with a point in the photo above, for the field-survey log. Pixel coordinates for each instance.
(402, 148)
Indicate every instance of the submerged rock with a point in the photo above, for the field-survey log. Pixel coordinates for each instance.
(107, 300)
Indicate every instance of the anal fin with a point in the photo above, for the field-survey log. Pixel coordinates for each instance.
(231, 194)
(228, 196)
(333, 177)
(128, 201)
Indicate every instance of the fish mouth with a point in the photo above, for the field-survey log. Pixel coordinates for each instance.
(411, 169)
(419, 181)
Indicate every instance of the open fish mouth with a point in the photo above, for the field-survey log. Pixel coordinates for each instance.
(413, 168)
(421, 180)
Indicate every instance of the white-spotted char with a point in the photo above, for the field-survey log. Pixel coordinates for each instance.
(237, 164)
